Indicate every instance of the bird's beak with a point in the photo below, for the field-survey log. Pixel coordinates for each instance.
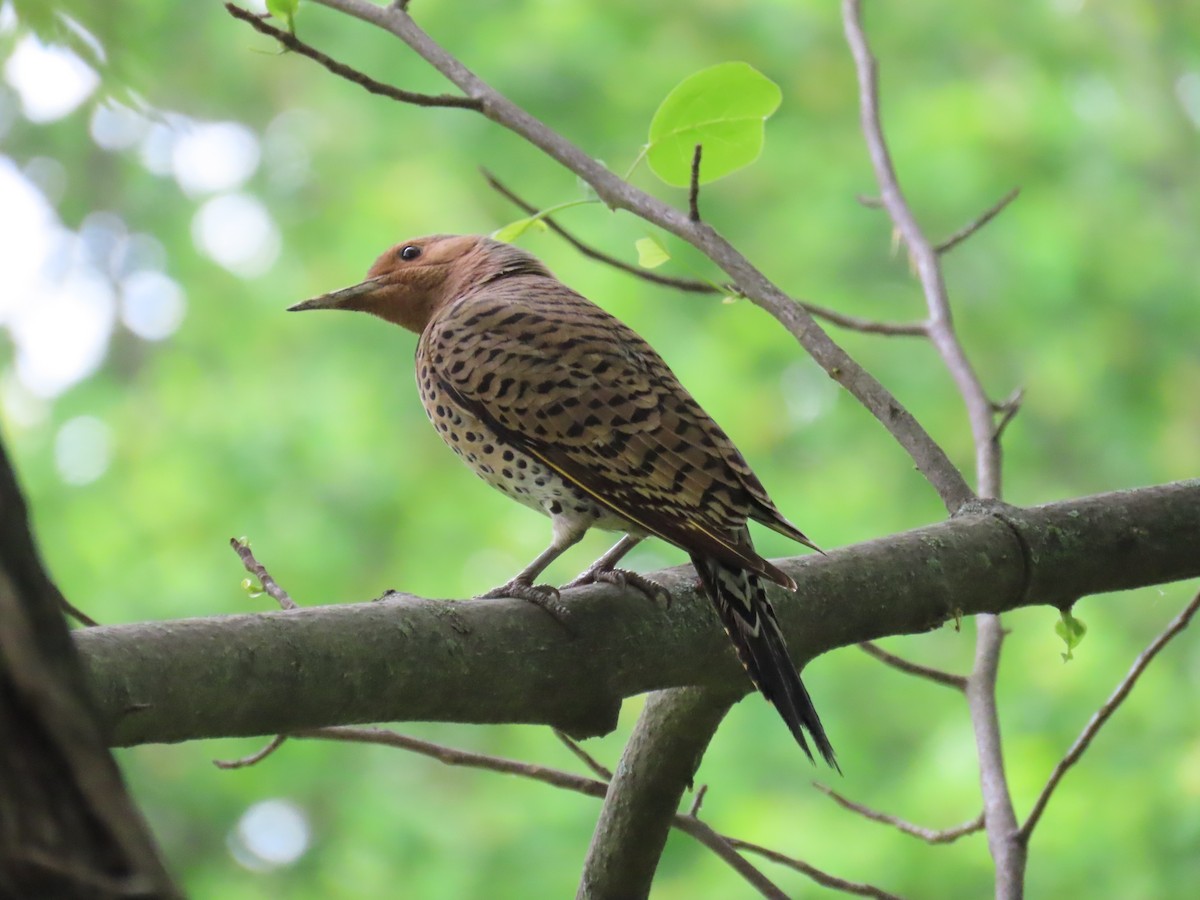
(347, 298)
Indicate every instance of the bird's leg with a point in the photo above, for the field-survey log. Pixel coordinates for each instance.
(604, 570)
(566, 534)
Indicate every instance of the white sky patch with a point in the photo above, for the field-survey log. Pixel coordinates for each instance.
(117, 127)
(82, 450)
(237, 232)
(158, 145)
(62, 334)
(270, 834)
(51, 81)
(28, 229)
(212, 157)
(152, 305)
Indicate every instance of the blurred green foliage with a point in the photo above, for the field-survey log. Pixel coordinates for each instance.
(305, 433)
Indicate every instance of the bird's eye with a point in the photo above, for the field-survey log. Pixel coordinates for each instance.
(410, 251)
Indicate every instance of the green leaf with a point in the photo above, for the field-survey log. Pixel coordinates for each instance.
(514, 230)
(651, 254)
(252, 587)
(285, 11)
(722, 108)
(1071, 630)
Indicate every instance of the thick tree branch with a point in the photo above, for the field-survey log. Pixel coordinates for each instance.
(412, 659)
(657, 766)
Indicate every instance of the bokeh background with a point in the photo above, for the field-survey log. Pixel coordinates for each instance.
(169, 183)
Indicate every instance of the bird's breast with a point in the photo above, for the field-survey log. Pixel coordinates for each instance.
(508, 469)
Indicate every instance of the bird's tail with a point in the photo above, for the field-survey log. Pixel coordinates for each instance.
(749, 619)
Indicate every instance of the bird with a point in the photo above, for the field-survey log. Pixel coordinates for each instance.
(566, 409)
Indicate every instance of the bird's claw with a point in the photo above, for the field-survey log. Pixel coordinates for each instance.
(544, 596)
(625, 579)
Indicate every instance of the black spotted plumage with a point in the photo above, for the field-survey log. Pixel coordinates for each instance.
(563, 407)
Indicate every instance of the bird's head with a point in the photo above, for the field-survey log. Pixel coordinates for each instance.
(409, 283)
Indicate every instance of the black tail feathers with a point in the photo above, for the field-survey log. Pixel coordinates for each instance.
(741, 600)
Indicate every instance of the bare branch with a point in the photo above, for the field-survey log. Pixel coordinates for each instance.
(725, 849)
(596, 767)
(969, 229)
(694, 187)
(451, 756)
(1008, 410)
(853, 323)
(259, 571)
(698, 801)
(1104, 713)
(1008, 853)
(694, 286)
(822, 878)
(929, 835)
(77, 614)
(658, 764)
(958, 682)
(293, 43)
(255, 757)
(719, 844)
(617, 193)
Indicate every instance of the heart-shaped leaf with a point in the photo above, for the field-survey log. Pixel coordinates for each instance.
(722, 108)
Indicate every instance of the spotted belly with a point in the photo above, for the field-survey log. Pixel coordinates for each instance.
(513, 472)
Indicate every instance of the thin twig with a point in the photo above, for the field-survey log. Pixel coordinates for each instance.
(690, 285)
(970, 228)
(866, 326)
(554, 777)
(597, 768)
(725, 849)
(1104, 713)
(949, 679)
(695, 286)
(698, 801)
(255, 757)
(929, 835)
(269, 585)
(76, 613)
(924, 258)
(694, 187)
(822, 878)
(1007, 409)
(293, 43)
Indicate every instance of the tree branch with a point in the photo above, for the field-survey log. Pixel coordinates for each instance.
(970, 228)
(1104, 713)
(68, 828)
(937, 676)
(293, 43)
(658, 764)
(930, 459)
(413, 659)
(1000, 817)
(929, 835)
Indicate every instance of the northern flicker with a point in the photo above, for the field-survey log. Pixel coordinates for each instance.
(564, 408)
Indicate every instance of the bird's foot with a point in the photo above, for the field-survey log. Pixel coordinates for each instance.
(544, 596)
(625, 579)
